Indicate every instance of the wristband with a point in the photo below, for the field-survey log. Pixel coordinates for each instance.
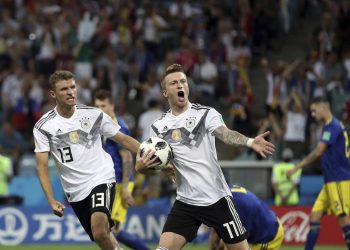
(250, 142)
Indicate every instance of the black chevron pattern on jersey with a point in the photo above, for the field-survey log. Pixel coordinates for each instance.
(82, 106)
(42, 121)
(198, 106)
(188, 138)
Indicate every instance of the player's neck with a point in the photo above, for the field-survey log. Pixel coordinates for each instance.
(328, 118)
(178, 110)
(65, 112)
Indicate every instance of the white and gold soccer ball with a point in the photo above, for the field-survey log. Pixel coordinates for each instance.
(162, 148)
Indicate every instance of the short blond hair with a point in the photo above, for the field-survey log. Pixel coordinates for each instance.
(169, 70)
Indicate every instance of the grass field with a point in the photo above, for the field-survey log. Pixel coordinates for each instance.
(188, 247)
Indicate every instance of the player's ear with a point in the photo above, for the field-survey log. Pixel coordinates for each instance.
(165, 93)
(52, 94)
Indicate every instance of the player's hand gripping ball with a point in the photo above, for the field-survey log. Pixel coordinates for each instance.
(163, 150)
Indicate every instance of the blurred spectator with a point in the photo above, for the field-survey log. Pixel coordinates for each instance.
(6, 173)
(294, 124)
(143, 58)
(346, 64)
(324, 35)
(11, 88)
(272, 124)
(82, 46)
(315, 74)
(27, 108)
(334, 72)
(150, 23)
(11, 144)
(205, 74)
(277, 77)
(45, 44)
(147, 118)
(343, 27)
(286, 189)
(124, 113)
(84, 95)
(150, 89)
(186, 54)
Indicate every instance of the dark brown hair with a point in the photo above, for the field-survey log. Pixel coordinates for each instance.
(59, 76)
(170, 69)
(319, 99)
(103, 94)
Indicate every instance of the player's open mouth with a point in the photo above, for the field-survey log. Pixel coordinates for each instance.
(181, 94)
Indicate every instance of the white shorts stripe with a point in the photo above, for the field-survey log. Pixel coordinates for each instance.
(236, 220)
(241, 227)
(108, 196)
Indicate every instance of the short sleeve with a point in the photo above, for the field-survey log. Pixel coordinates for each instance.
(214, 120)
(109, 127)
(328, 135)
(41, 141)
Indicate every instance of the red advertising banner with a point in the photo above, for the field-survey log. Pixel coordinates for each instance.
(295, 221)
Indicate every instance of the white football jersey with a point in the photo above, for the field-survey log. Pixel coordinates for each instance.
(76, 146)
(199, 178)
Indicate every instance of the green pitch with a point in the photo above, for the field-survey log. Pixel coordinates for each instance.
(93, 247)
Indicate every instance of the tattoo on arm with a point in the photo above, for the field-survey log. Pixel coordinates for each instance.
(230, 137)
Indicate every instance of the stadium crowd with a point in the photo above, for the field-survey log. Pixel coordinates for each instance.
(122, 46)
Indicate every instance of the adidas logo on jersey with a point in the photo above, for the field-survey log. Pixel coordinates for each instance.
(59, 131)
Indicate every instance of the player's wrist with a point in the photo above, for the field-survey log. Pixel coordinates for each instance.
(249, 142)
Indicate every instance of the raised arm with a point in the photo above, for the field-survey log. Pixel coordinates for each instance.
(44, 178)
(258, 144)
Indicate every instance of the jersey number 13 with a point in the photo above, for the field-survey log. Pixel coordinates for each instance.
(66, 154)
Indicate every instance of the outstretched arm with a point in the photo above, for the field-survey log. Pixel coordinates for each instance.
(315, 154)
(126, 141)
(258, 144)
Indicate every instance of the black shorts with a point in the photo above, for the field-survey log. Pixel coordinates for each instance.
(99, 200)
(185, 219)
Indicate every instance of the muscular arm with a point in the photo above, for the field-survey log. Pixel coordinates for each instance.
(126, 141)
(230, 137)
(258, 144)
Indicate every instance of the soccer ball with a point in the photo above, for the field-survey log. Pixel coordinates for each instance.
(162, 148)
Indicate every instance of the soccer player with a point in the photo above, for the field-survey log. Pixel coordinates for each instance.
(72, 133)
(203, 195)
(334, 196)
(264, 229)
(122, 160)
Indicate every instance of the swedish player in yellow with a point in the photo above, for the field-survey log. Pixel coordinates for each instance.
(333, 149)
(122, 160)
(264, 229)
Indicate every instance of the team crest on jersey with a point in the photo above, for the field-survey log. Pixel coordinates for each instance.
(176, 135)
(74, 137)
(190, 122)
(85, 123)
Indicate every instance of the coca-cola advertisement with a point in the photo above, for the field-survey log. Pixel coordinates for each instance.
(295, 221)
